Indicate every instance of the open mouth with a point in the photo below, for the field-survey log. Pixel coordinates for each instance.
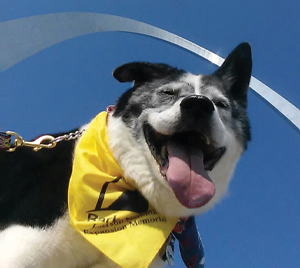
(184, 159)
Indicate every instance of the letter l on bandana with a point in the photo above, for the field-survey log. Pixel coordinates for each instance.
(98, 207)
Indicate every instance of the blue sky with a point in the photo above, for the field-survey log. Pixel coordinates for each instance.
(64, 86)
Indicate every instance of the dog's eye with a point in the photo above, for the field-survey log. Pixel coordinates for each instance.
(221, 104)
(169, 91)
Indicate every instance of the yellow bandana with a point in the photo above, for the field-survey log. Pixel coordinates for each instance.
(107, 211)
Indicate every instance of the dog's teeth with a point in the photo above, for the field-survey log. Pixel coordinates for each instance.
(207, 140)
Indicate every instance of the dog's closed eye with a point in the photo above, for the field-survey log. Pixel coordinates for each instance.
(169, 91)
(221, 104)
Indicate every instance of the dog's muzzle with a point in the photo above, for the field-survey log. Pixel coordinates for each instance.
(185, 157)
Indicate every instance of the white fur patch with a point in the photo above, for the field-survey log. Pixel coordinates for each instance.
(195, 81)
(59, 246)
(56, 246)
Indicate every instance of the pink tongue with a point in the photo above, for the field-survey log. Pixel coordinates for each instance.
(187, 176)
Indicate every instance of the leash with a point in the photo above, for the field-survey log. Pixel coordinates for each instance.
(45, 141)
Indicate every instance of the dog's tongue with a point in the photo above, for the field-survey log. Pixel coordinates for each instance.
(187, 176)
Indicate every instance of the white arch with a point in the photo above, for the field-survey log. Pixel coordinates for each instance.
(21, 38)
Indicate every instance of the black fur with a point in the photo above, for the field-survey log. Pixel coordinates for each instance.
(141, 72)
(34, 185)
(236, 71)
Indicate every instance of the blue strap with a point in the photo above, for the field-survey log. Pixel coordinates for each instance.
(190, 243)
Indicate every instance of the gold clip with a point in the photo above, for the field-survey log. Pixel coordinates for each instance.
(37, 144)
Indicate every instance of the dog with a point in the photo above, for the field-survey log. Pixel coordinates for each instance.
(176, 136)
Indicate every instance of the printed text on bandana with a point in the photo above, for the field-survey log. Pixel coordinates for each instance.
(110, 221)
(113, 223)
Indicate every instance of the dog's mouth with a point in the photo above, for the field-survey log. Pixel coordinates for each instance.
(184, 159)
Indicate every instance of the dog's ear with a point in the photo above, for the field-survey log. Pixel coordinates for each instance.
(236, 70)
(141, 72)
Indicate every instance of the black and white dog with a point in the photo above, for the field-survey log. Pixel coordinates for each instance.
(177, 136)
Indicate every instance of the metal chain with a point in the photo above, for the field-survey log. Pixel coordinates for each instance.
(45, 141)
(68, 137)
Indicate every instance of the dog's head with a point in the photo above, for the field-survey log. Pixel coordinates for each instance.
(178, 136)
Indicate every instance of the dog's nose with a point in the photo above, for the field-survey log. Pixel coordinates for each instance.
(197, 106)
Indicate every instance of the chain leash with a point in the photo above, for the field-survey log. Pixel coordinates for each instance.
(68, 137)
(45, 141)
